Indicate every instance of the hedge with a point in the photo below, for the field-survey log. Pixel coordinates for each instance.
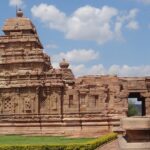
(85, 146)
(100, 141)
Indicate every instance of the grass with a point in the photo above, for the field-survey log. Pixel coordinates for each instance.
(40, 140)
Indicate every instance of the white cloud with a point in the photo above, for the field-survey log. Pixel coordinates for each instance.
(90, 23)
(99, 69)
(81, 69)
(117, 30)
(87, 22)
(126, 70)
(127, 15)
(129, 19)
(77, 55)
(55, 64)
(51, 46)
(15, 2)
(132, 13)
(50, 15)
(133, 25)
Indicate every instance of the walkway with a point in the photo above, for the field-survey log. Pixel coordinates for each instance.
(110, 146)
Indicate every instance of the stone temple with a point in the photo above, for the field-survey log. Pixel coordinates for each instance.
(36, 98)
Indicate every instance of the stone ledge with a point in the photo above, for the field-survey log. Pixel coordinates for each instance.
(140, 123)
(123, 145)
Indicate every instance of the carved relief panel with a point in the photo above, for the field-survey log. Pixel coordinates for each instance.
(27, 103)
(6, 104)
(43, 105)
(50, 103)
(83, 102)
(54, 102)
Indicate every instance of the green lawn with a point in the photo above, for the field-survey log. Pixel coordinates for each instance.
(36, 140)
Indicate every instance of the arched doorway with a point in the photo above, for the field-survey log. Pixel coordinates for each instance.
(136, 104)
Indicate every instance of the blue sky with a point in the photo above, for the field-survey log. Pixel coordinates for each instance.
(95, 36)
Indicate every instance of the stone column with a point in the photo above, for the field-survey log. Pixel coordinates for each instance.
(147, 102)
(147, 106)
(123, 96)
(125, 106)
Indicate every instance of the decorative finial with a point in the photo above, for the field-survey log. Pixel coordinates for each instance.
(64, 64)
(19, 13)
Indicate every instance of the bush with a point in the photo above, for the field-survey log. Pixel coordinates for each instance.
(101, 140)
(85, 146)
(132, 110)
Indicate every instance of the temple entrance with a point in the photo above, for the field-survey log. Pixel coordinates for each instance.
(136, 104)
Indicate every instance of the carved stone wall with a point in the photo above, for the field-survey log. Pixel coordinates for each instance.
(51, 104)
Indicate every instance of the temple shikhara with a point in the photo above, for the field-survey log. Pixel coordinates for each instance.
(36, 98)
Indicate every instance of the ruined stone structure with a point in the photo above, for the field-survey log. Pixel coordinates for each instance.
(36, 98)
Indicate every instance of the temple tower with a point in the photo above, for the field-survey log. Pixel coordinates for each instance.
(20, 47)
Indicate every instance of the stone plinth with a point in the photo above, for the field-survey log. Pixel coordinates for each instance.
(136, 123)
(137, 129)
(124, 145)
(137, 135)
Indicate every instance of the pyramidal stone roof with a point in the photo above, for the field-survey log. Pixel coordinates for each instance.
(20, 22)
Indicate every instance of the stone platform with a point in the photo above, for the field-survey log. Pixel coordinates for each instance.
(137, 133)
(49, 129)
(124, 145)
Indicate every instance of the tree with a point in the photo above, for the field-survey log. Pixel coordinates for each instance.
(132, 110)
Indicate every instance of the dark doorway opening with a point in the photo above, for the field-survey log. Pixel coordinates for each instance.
(136, 104)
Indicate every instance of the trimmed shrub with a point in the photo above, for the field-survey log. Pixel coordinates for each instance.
(101, 140)
(85, 146)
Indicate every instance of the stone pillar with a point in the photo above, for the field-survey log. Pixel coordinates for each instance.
(123, 96)
(125, 106)
(147, 106)
(146, 95)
